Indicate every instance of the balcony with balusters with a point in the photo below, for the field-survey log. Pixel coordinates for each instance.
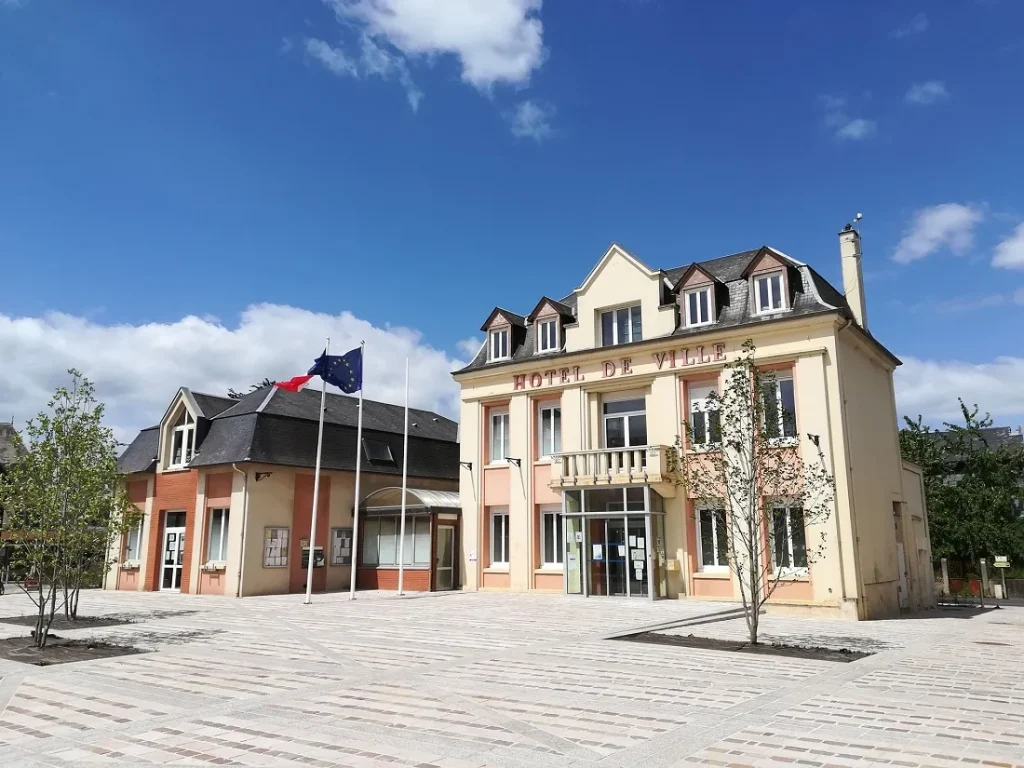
(632, 465)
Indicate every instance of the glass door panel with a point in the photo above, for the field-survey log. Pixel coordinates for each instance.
(445, 557)
(596, 552)
(616, 556)
(637, 565)
(573, 555)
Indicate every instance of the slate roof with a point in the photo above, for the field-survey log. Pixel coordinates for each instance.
(271, 426)
(813, 295)
(993, 437)
(211, 405)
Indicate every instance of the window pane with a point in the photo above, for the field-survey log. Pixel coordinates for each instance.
(559, 537)
(546, 426)
(625, 406)
(615, 432)
(715, 426)
(498, 538)
(707, 542)
(769, 397)
(788, 407)
(635, 500)
(557, 430)
(638, 430)
(704, 309)
(723, 537)
(387, 552)
(796, 530)
(369, 546)
(697, 421)
(637, 328)
(421, 554)
(779, 538)
(622, 325)
(776, 285)
(550, 537)
(607, 329)
(763, 300)
(176, 452)
(409, 541)
(691, 309)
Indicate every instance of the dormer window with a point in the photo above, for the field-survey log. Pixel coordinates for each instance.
(768, 293)
(621, 326)
(498, 346)
(698, 307)
(183, 440)
(547, 335)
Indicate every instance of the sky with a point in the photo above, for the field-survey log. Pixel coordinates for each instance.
(197, 193)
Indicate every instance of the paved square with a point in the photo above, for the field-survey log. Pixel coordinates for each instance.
(461, 680)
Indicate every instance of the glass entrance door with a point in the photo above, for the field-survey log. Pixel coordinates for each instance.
(637, 565)
(445, 558)
(617, 565)
(174, 551)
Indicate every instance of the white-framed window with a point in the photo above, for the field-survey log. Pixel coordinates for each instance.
(133, 544)
(713, 537)
(768, 294)
(341, 546)
(697, 306)
(381, 537)
(789, 541)
(499, 435)
(217, 537)
(275, 547)
(779, 401)
(547, 335)
(499, 537)
(550, 432)
(183, 440)
(620, 326)
(625, 423)
(705, 418)
(498, 344)
(552, 537)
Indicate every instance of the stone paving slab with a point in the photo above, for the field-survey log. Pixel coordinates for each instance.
(471, 680)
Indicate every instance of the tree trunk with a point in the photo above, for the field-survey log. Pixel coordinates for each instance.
(74, 601)
(40, 617)
(67, 611)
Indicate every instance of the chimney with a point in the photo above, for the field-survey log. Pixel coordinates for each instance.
(853, 274)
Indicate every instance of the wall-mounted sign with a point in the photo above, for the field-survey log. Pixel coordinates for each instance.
(715, 353)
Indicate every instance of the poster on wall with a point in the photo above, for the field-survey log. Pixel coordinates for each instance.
(598, 552)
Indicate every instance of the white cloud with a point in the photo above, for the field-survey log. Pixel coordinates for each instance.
(926, 93)
(333, 59)
(497, 41)
(469, 348)
(838, 120)
(137, 368)
(532, 120)
(1010, 252)
(915, 26)
(959, 304)
(948, 225)
(931, 388)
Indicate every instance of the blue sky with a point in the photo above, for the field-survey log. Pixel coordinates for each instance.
(415, 162)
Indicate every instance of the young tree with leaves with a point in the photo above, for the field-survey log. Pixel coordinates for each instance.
(749, 470)
(65, 502)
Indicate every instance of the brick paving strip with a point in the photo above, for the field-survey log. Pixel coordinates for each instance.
(472, 680)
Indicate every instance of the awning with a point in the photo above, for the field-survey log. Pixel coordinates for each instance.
(388, 500)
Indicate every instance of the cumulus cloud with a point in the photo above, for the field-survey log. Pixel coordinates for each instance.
(334, 59)
(949, 225)
(931, 388)
(469, 348)
(532, 120)
(915, 26)
(498, 41)
(137, 368)
(1010, 252)
(372, 61)
(838, 120)
(929, 92)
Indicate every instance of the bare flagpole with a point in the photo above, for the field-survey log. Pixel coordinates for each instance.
(405, 476)
(316, 482)
(359, 461)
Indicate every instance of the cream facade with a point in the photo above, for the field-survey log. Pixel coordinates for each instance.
(569, 416)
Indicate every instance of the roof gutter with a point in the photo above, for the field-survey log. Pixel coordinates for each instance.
(245, 519)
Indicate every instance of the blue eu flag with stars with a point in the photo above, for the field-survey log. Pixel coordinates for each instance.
(343, 371)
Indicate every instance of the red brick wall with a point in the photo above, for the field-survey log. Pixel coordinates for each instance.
(171, 491)
(387, 578)
(302, 513)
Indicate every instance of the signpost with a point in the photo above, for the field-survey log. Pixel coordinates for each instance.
(1002, 562)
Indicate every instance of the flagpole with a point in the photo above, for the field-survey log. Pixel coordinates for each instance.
(359, 461)
(405, 476)
(316, 482)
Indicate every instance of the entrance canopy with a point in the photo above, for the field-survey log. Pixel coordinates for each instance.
(388, 501)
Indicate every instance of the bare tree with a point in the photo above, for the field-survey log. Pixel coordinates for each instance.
(743, 465)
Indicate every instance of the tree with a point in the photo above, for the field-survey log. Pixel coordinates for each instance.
(234, 394)
(973, 487)
(762, 494)
(65, 501)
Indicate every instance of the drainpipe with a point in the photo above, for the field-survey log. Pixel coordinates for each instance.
(245, 517)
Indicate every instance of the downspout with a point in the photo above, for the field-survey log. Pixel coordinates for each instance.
(245, 518)
(850, 471)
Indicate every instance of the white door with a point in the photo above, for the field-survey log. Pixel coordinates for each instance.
(445, 558)
(173, 551)
(901, 564)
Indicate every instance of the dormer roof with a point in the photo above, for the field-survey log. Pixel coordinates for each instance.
(766, 252)
(564, 310)
(694, 268)
(513, 319)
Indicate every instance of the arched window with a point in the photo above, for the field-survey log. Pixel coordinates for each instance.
(183, 440)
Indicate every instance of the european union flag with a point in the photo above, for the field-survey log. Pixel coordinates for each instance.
(343, 371)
